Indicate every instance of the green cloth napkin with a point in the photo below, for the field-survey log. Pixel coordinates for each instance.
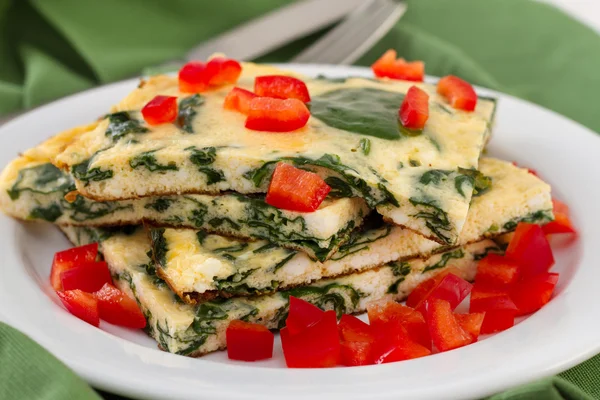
(51, 48)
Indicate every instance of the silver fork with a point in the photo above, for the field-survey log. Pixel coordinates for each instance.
(355, 35)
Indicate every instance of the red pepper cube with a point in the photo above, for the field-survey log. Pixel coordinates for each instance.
(533, 293)
(281, 87)
(486, 298)
(89, 276)
(193, 77)
(497, 321)
(384, 313)
(317, 346)
(471, 323)
(392, 343)
(301, 315)
(68, 259)
(562, 222)
(496, 270)
(530, 248)
(82, 305)
(422, 290)
(248, 342)
(276, 115)
(445, 330)
(357, 340)
(160, 110)
(451, 288)
(414, 110)
(460, 94)
(117, 308)
(387, 66)
(295, 189)
(222, 71)
(239, 100)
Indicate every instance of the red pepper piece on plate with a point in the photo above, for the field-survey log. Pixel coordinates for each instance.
(414, 110)
(281, 87)
(67, 259)
(450, 288)
(357, 340)
(317, 346)
(89, 276)
(496, 270)
(387, 66)
(445, 330)
(81, 304)
(388, 313)
(301, 315)
(562, 222)
(276, 115)
(499, 308)
(117, 308)
(222, 71)
(249, 342)
(423, 288)
(396, 345)
(239, 100)
(295, 189)
(460, 94)
(530, 248)
(160, 110)
(533, 293)
(193, 77)
(471, 323)
(497, 321)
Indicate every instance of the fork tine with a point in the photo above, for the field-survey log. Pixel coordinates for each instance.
(355, 35)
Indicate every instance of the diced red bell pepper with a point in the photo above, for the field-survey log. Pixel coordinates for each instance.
(562, 222)
(222, 71)
(357, 339)
(423, 288)
(499, 308)
(295, 189)
(450, 288)
(460, 94)
(533, 293)
(485, 298)
(193, 77)
(117, 308)
(67, 259)
(396, 345)
(276, 115)
(88, 276)
(414, 110)
(388, 313)
(317, 346)
(281, 87)
(81, 304)
(248, 342)
(301, 315)
(471, 323)
(445, 330)
(387, 66)
(160, 110)
(239, 100)
(496, 270)
(530, 248)
(497, 321)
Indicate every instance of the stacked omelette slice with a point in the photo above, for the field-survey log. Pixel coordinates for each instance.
(180, 215)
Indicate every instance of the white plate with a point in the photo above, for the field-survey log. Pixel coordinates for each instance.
(562, 334)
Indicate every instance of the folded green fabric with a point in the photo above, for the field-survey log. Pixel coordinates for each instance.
(51, 48)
